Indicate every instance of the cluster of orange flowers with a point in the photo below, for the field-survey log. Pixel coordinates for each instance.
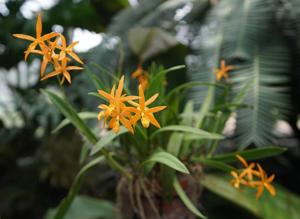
(253, 178)
(53, 48)
(123, 109)
(223, 71)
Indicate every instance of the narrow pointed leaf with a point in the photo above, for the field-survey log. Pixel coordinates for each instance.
(82, 115)
(106, 139)
(168, 160)
(252, 154)
(215, 164)
(187, 129)
(70, 113)
(185, 199)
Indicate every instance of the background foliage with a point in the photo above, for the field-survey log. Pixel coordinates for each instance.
(259, 37)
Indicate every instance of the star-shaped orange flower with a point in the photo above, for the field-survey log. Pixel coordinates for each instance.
(265, 182)
(143, 112)
(237, 180)
(248, 169)
(62, 68)
(67, 50)
(38, 40)
(223, 71)
(48, 53)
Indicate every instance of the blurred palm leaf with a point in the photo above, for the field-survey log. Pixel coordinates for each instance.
(246, 24)
(269, 96)
(237, 31)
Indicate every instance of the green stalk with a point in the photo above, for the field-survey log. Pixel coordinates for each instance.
(206, 105)
(214, 144)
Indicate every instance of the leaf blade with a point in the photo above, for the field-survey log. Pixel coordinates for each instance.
(186, 201)
(82, 115)
(168, 160)
(71, 114)
(188, 129)
(106, 139)
(251, 154)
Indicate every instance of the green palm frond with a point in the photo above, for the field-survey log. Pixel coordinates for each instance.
(269, 96)
(246, 24)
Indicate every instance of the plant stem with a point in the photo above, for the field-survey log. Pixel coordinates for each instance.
(215, 129)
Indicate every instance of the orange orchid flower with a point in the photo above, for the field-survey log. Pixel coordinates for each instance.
(38, 40)
(138, 72)
(62, 69)
(223, 71)
(143, 112)
(237, 180)
(48, 53)
(248, 169)
(265, 182)
(142, 76)
(64, 50)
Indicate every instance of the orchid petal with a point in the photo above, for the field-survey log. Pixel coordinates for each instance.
(24, 37)
(151, 99)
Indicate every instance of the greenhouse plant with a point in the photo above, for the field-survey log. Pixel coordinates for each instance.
(183, 109)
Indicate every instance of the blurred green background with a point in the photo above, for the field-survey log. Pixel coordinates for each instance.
(260, 37)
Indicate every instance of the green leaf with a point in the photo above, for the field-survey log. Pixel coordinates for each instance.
(84, 207)
(187, 129)
(188, 114)
(166, 71)
(191, 84)
(159, 77)
(71, 114)
(246, 22)
(214, 164)
(284, 205)
(252, 154)
(185, 199)
(95, 80)
(174, 144)
(67, 201)
(82, 115)
(106, 139)
(168, 160)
